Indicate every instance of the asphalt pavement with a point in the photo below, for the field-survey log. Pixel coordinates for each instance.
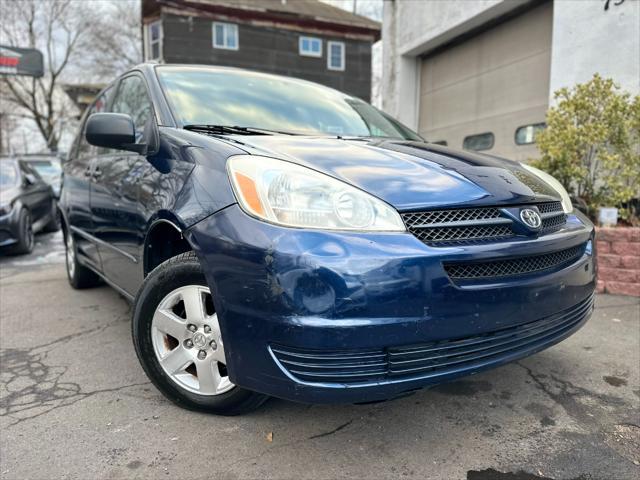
(74, 403)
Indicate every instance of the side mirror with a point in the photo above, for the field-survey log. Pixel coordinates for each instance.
(29, 180)
(113, 130)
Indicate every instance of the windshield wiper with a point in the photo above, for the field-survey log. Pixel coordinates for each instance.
(234, 130)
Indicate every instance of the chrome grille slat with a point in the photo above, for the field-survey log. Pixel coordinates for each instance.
(449, 234)
(437, 227)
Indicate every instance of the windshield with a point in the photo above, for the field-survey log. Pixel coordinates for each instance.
(249, 99)
(46, 168)
(8, 175)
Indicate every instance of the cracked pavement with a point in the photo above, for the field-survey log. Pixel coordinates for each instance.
(74, 403)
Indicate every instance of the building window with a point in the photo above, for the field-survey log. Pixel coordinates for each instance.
(153, 36)
(482, 141)
(225, 35)
(310, 47)
(335, 56)
(527, 134)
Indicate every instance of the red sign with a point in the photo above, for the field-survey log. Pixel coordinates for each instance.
(21, 61)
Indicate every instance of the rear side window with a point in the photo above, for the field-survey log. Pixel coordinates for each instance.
(482, 141)
(132, 99)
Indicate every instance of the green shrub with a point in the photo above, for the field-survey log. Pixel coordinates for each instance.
(592, 146)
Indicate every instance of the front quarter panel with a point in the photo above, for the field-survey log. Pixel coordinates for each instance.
(204, 190)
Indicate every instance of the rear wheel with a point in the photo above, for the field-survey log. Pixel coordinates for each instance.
(79, 276)
(179, 343)
(26, 239)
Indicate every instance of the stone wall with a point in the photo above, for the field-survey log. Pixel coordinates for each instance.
(619, 260)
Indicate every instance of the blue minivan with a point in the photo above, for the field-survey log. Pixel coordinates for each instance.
(280, 238)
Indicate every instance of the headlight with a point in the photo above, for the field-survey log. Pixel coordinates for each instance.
(5, 208)
(288, 194)
(567, 206)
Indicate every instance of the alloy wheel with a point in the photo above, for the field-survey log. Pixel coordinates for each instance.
(188, 343)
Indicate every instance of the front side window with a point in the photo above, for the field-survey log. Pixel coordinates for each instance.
(225, 35)
(132, 99)
(310, 47)
(335, 58)
(99, 106)
(527, 134)
(482, 141)
(153, 35)
(201, 95)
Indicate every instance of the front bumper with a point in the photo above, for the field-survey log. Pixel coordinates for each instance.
(325, 317)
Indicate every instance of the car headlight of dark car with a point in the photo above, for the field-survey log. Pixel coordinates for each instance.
(5, 208)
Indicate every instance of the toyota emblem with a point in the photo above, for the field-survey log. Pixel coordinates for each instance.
(530, 218)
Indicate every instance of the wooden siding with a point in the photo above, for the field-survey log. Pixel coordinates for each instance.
(267, 49)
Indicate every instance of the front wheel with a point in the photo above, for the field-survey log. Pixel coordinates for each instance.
(79, 276)
(26, 239)
(179, 343)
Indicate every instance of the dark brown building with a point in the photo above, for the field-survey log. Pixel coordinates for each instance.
(299, 38)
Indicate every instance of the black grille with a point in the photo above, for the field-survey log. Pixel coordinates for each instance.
(451, 234)
(553, 223)
(437, 227)
(513, 266)
(447, 216)
(428, 359)
(550, 207)
(438, 357)
(332, 366)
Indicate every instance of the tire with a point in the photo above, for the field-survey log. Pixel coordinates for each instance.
(54, 223)
(26, 240)
(79, 276)
(171, 315)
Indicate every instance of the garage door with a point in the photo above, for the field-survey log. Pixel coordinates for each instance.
(486, 87)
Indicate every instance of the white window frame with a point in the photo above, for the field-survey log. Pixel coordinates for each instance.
(225, 26)
(342, 66)
(149, 43)
(309, 53)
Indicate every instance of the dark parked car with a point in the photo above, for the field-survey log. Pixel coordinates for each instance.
(27, 205)
(49, 168)
(281, 238)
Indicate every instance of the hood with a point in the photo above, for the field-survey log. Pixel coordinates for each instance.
(409, 175)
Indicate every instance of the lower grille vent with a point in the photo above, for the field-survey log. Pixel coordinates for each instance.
(513, 266)
(434, 358)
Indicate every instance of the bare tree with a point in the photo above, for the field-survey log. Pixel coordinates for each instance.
(79, 40)
(118, 35)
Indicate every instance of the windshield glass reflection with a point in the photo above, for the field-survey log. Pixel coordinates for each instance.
(207, 96)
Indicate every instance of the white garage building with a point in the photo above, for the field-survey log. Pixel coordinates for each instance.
(480, 74)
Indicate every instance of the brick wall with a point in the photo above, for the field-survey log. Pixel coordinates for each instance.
(619, 260)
